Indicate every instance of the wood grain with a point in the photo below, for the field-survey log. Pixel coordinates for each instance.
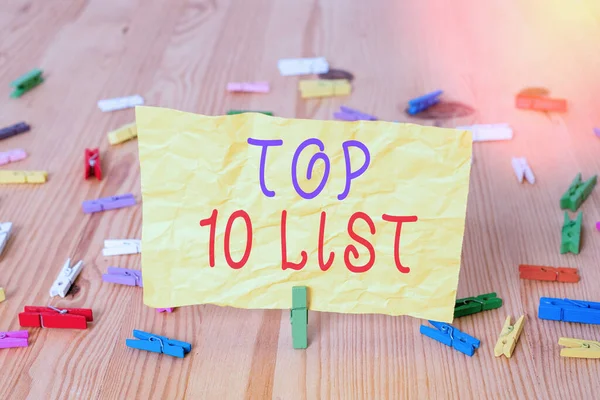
(181, 54)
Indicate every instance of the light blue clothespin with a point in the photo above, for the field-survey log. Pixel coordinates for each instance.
(158, 344)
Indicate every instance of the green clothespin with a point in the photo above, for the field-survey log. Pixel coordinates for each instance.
(234, 112)
(577, 193)
(26, 82)
(571, 234)
(473, 305)
(299, 317)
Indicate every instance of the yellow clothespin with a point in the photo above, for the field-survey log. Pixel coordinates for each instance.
(2, 295)
(578, 348)
(23, 176)
(508, 337)
(122, 134)
(324, 87)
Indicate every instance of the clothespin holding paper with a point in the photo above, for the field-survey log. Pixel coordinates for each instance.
(299, 317)
(451, 336)
(577, 193)
(578, 348)
(508, 337)
(474, 305)
(571, 234)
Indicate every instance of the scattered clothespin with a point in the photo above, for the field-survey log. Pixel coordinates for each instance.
(299, 317)
(324, 88)
(122, 134)
(123, 276)
(160, 310)
(14, 130)
(108, 203)
(5, 229)
(12, 155)
(92, 163)
(26, 82)
(235, 112)
(474, 305)
(65, 279)
(579, 348)
(2, 295)
(508, 337)
(23, 176)
(250, 87)
(119, 247)
(451, 336)
(422, 103)
(577, 192)
(348, 114)
(158, 344)
(488, 132)
(540, 273)
(597, 131)
(571, 234)
(598, 225)
(120, 103)
(302, 66)
(9, 340)
(52, 317)
(540, 103)
(522, 170)
(567, 310)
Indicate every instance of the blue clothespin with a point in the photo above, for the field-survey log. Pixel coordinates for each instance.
(158, 344)
(567, 310)
(450, 336)
(424, 102)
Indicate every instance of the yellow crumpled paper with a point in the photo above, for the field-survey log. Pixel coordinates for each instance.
(194, 164)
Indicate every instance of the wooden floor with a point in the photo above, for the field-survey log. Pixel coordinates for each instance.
(181, 54)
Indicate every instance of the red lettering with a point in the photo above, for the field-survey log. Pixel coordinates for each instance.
(285, 264)
(399, 220)
(212, 222)
(352, 249)
(324, 266)
(244, 215)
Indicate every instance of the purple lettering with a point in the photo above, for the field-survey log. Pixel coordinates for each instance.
(263, 161)
(311, 164)
(349, 173)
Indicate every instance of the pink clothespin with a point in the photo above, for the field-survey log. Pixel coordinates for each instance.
(8, 340)
(254, 87)
(598, 225)
(12, 156)
(164, 309)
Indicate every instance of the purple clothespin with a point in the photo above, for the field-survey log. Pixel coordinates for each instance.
(597, 131)
(12, 156)
(108, 203)
(598, 225)
(169, 310)
(348, 114)
(8, 340)
(123, 276)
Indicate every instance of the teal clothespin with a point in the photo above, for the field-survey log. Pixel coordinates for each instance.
(474, 305)
(234, 112)
(26, 82)
(571, 234)
(577, 193)
(299, 317)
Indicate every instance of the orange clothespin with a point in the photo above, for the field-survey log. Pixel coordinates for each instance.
(92, 164)
(538, 100)
(540, 273)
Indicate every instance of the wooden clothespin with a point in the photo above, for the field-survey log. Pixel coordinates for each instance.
(450, 336)
(541, 273)
(23, 176)
(578, 348)
(108, 203)
(158, 344)
(162, 310)
(567, 310)
(474, 305)
(122, 134)
(2, 295)
(51, 317)
(522, 170)
(577, 193)
(5, 229)
(119, 247)
(12, 339)
(422, 103)
(65, 279)
(324, 88)
(508, 337)
(123, 276)
(299, 317)
(92, 164)
(26, 82)
(571, 234)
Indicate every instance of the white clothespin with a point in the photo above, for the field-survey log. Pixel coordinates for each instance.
(521, 168)
(65, 279)
(120, 103)
(302, 66)
(5, 229)
(489, 132)
(121, 247)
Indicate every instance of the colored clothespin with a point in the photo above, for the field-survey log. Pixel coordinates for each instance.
(250, 87)
(299, 317)
(474, 305)
(14, 130)
(522, 170)
(122, 134)
(567, 310)
(324, 88)
(508, 337)
(23, 176)
(2, 295)
(120, 103)
(160, 310)
(577, 192)
(579, 348)
(488, 132)
(119, 247)
(108, 203)
(65, 279)
(123, 276)
(451, 336)
(92, 163)
(541, 273)
(158, 344)
(571, 234)
(348, 114)
(5, 229)
(12, 155)
(597, 131)
(52, 317)
(540, 103)
(9, 340)
(302, 66)
(26, 82)
(422, 103)
(235, 112)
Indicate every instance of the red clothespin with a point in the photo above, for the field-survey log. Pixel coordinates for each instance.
(51, 317)
(540, 273)
(92, 164)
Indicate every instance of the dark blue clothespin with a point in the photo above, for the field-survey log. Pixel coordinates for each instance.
(450, 336)
(424, 102)
(158, 344)
(567, 310)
